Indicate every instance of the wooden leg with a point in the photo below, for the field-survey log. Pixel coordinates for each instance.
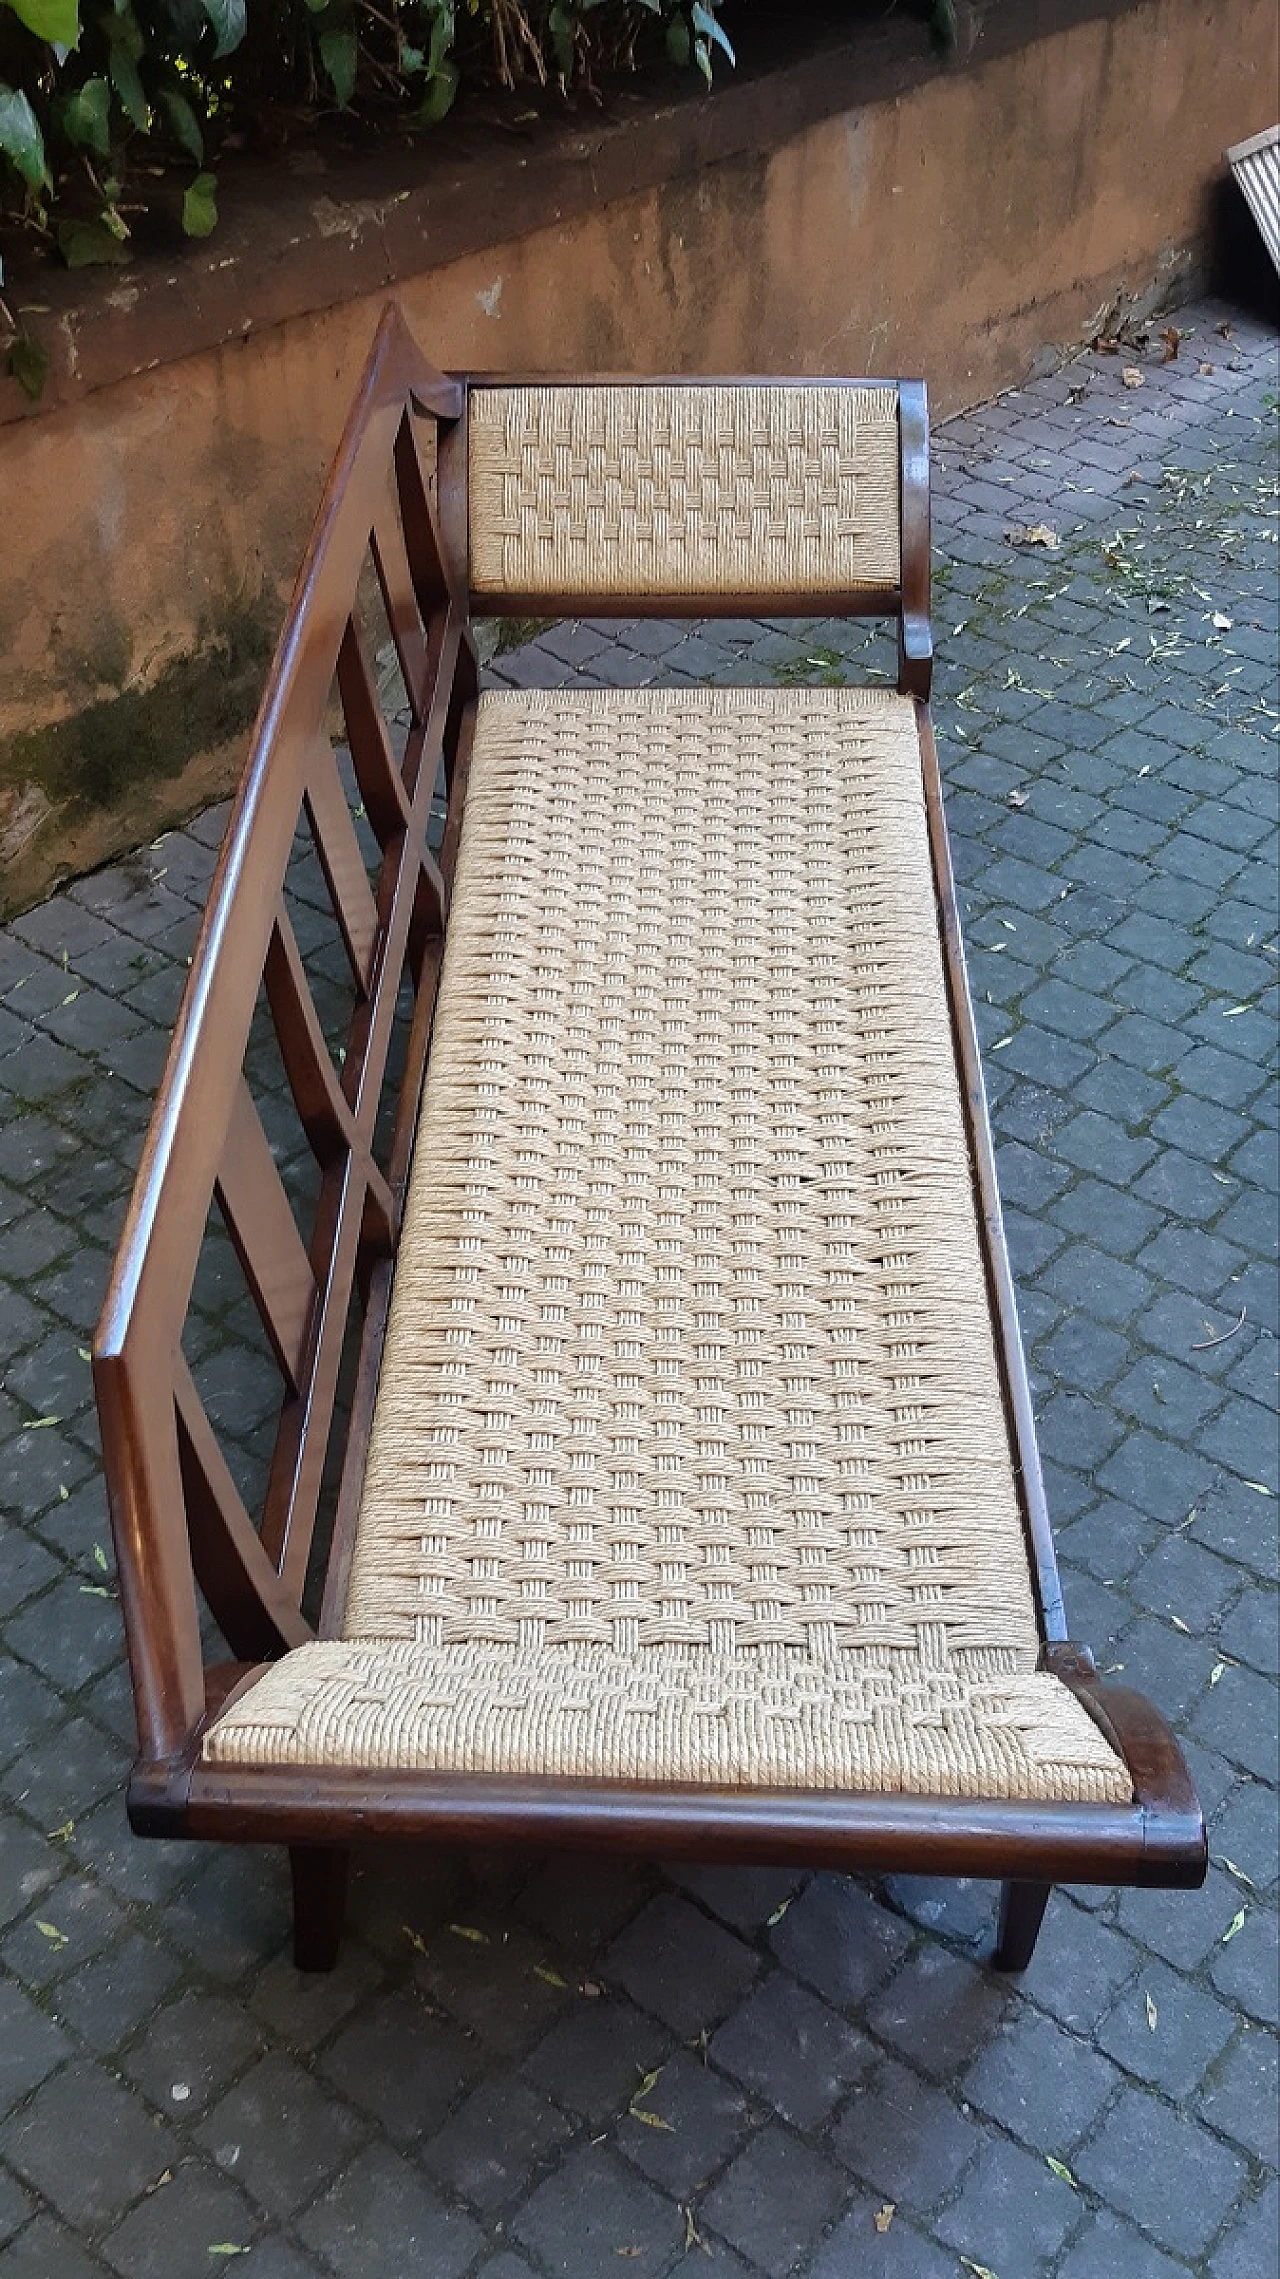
(1022, 1907)
(319, 1902)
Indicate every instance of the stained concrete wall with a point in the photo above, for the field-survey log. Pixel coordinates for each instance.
(954, 227)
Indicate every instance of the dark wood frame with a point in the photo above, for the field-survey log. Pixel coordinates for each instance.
(180, 1526)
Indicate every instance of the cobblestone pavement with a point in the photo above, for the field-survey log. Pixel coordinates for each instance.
(532, 2066)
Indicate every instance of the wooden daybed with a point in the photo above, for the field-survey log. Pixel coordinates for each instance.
(690, 1501)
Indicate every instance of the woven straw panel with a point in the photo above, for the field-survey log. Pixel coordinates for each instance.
(653, 490)
(689, 1459)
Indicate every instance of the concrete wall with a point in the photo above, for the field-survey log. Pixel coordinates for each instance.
(954, 227)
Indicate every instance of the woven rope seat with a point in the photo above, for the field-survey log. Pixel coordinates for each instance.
(689, 1461)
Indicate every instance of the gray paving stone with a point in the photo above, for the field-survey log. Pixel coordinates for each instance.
(1078, 1967)
(837, 1939)
(776, 2200)
(593, 2214)
(1043, 2085)
(383, 2197)
(1173, 2049)
(46, 2250)
(1011, 2208)
(1238, 1718)
(1108, 2247)
(494, 1989)
(171, 2233)
(88, 2145)
(1253, 2243)
(278, 2134)
(77, 1919)
(31, 2045)
(748, 1899)
(1249, 1632)
(687, 1970)
(583, 1903)
(939, 2012)
(1246, 1971)
(693, 2121)
(1156, 1475)
(402, 2064)
(190, 2051)
(592, 2059)
(859, 2244)
(904, 2137)
(487, 2149)
(107, 2000)
(1181, 1579)
(792, 2051)
(1240, 2099)
(1178, 2184)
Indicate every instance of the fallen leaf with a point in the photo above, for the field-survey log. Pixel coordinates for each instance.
(648, 2082)
(468, 1931)
(1234, 1927)
(979, 2270)
(51, 1932)
(1153, 2015)
(1001, 1042)
(95, 1590)
(1232, 1011)
(1060, 2168)
(1179, 1624)
(651, 2120)
(38, 1423)
(414, 1938)
(62, 1835)
(1131, 376)
(1226, 330)
(548, 1976)
(884, 2216)
(1018, 798)
(1206, 371)
(1220, 623)
(1216, 1672)
(1238, 1873)
(1172, 339)
(692, 2236)
(1034, 534)
(99, 1557)
(777, 1914)
(165, 2177)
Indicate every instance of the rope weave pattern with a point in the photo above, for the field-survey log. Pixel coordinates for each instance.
(697, 490)
(689, 1459)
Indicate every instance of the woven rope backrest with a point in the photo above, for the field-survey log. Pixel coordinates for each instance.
(726, 490)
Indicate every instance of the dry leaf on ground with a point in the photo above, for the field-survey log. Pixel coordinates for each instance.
(1034, 534)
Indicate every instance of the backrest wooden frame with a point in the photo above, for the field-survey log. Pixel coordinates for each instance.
(177, 1514)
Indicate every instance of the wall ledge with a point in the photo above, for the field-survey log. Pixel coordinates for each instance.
(311, 232)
